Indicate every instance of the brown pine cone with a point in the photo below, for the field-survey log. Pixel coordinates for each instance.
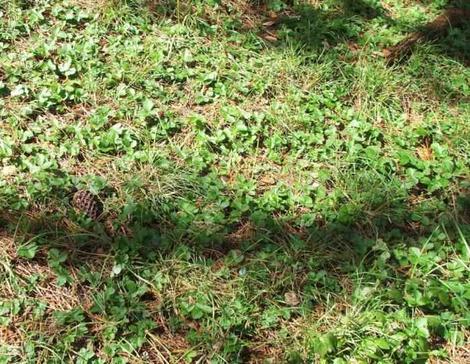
(87, 203)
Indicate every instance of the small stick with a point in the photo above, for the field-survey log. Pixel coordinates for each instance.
(431, 31)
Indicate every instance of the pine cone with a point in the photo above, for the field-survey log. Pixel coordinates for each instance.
(87, 203)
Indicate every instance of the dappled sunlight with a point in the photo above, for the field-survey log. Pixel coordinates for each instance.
(231, 182)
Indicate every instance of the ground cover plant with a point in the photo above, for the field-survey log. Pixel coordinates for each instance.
(255, 183)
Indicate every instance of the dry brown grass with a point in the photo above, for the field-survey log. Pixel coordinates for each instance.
(456, 354)
(16, 270)
(92, 5)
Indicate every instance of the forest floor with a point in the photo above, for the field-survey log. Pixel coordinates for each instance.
(272, 191)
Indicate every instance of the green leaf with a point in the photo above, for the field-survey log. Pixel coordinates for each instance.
(187, 56)
(325, 344)
(28, 251)
(148, 105)
(422, 325)
(382, 343)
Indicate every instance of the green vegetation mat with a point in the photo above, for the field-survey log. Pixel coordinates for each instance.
(270, 190)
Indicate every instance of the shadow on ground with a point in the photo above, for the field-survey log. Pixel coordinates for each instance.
(343, 235)
(316, 29)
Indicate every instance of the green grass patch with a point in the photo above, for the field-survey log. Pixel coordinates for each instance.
(272, 191)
